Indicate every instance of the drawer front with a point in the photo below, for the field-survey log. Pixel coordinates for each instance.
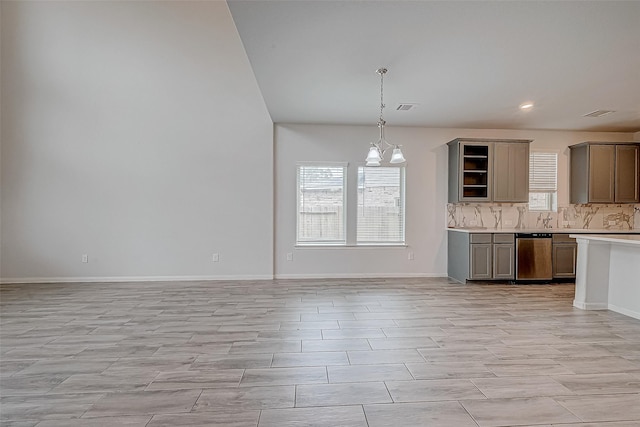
(480, 238)
(504, 238)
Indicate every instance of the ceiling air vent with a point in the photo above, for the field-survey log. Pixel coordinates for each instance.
(405, 107)
(599, 113)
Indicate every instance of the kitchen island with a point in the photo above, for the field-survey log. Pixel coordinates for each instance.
(608, 273)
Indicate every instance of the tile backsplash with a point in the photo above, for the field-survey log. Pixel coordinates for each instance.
(517, 215)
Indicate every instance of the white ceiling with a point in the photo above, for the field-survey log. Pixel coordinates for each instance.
(467, 64)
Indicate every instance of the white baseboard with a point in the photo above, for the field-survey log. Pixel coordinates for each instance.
(93, 279)
(625, 311)
(118, 279)
(359, 276)
(590, 305)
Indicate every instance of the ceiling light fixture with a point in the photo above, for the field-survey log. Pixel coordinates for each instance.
(378, 149)
(526, 106)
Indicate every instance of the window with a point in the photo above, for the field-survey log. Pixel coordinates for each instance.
(321, 201)
(543, 181)
(380, 205)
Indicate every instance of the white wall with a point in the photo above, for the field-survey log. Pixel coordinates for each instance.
(133, 132)
(426, 194)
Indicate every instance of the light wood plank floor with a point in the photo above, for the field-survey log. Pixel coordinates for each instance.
(396, 352)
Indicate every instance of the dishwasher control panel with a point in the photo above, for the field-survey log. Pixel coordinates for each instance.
(533, 235)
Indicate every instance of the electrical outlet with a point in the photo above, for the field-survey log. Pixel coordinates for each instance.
(410, 256)
(85, 258)
(289, 256)
(215, 257)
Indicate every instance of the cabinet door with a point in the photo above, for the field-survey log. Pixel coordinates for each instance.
(626, 183)
(579, 178)
(511, 172)
(564, 260)
(601, 173)
(520, 172)
(503, 261)
(480, 261)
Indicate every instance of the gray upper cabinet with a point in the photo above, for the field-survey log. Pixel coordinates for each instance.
(488, 170)
(511, 172)
(604, 172)
(627, 176)
(601, 173)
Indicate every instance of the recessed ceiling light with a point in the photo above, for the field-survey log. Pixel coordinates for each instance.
(526, 106)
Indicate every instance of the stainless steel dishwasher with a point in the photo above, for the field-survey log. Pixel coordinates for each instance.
(534, 257)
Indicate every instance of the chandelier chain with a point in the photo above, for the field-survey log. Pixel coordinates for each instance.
(382, 72)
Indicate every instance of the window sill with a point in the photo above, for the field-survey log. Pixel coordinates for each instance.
(368, 246)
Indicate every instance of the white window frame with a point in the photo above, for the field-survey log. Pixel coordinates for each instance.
(550, 193)
(321, 242)
(402, 201)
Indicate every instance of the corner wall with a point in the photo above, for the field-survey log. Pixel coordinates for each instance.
(135, 133)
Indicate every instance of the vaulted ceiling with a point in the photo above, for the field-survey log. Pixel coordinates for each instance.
(464, 64)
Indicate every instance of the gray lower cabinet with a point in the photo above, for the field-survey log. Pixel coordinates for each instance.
(565, 252)
(481, 256)
(503, 261)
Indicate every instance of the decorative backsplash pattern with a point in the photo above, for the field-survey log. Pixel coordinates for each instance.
(517, 215)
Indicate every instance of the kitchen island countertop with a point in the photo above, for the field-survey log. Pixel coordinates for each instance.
(628, 240)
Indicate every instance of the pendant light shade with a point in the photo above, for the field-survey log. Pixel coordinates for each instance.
(378, 149)
(374, 157)
(397, 156)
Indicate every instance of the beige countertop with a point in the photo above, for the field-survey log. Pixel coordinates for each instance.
(545, 230)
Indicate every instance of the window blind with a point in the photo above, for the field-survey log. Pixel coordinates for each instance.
(543, 172)
(321, 194)
(381, 197)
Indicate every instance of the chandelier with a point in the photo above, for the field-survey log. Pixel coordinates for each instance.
(378, 149)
